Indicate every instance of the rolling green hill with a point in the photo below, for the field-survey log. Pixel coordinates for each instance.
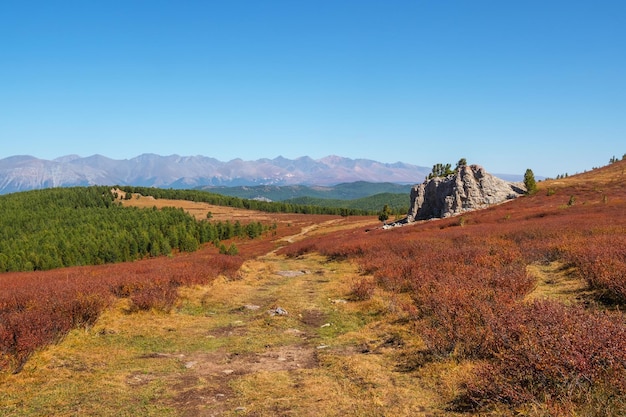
(345, 191)
(399, 203)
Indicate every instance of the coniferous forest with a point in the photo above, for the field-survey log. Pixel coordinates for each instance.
(53, 228)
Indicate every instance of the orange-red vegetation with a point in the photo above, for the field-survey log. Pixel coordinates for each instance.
(467, 278)
(552, 353)
(37, 308)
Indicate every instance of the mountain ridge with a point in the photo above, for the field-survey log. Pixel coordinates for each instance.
(25, 172)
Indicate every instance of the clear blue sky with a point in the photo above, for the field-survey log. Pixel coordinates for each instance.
(510, 85)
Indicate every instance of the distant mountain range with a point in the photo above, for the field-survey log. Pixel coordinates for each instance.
(21, 173)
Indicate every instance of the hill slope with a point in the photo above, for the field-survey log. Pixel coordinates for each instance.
(344, 191)
(398, 203)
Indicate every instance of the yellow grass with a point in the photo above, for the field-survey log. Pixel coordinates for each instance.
(613, 173)
(559, 282)
(197, 209)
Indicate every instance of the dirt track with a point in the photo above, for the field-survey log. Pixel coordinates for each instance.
(325, 356)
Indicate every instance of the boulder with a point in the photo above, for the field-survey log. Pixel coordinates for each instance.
(470, 188)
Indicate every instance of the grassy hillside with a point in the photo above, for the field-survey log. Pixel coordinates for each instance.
(224, 200)
(488, 293)
(399, 203)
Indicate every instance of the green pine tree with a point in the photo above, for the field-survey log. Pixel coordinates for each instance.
(529, 182)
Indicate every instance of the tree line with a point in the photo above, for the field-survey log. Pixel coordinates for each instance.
(236, 202)
(59, 227)
(443, 170)
(398, 203)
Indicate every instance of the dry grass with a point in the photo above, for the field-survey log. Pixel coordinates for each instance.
(560, 282)
(604, 175)
(596, 180)
(220, 213)
(219, 353)
(197, 209)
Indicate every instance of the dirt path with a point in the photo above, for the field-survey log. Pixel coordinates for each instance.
(291, 343)
(308, 229)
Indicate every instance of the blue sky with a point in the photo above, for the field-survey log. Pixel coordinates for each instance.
(506, 84)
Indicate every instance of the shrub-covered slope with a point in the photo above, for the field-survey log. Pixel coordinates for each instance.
(468, 281)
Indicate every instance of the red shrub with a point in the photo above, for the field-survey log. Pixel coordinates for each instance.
(548, 350)
(601, 260)
(41, 307)
(468, 284)
(160, 297)
(363, 289)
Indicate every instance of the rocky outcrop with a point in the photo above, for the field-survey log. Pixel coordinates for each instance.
(471, 188)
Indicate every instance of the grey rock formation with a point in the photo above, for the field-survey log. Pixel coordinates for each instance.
(471, 188)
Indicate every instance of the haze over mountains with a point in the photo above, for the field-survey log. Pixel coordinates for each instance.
(21, 173)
